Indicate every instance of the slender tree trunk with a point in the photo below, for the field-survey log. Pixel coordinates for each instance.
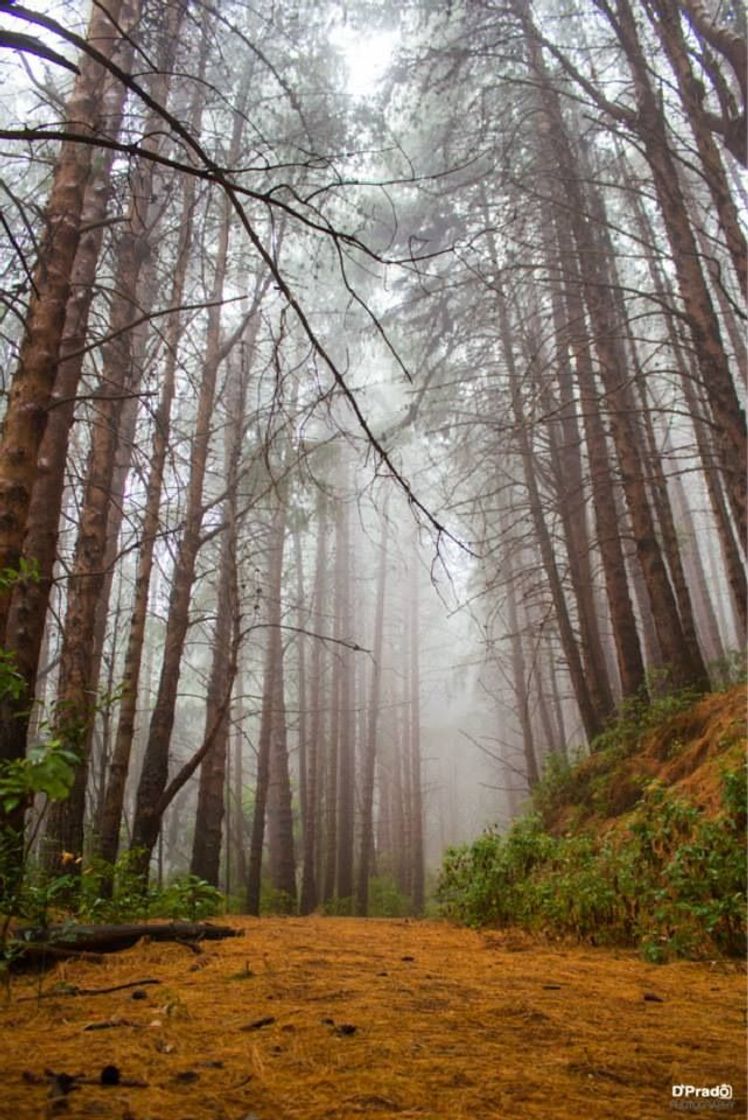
(370, 748)
(519, 676)
(592, 720)
(347, 743)
(206, 848)
(272, 712)
(315, 694)
(154, 774)
(414, 749)
(108, 842)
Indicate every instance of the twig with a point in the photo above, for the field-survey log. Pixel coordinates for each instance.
(87, 991)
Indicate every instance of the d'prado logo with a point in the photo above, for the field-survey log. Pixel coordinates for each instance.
(719, 1092)
(702, 1098)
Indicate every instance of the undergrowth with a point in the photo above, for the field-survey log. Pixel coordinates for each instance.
(668, 879)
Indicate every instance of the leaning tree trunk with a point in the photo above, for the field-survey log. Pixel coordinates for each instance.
(206, 847)
(33, 383)
(649, 122)
(155, 770)
(30, 597)
(665, 15)
(554, 138)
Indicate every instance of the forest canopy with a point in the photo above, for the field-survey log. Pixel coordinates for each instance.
(373, 428)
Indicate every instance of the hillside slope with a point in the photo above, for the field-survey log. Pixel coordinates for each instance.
(642, 843)
(688, 752)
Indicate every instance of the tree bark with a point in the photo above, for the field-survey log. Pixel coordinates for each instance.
(154, 774)
(32, 387)
(370, 748)
(309, 882)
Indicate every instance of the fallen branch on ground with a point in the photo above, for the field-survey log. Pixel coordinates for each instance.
(56, 941)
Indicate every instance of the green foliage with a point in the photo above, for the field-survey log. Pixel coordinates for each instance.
(273, 901)
(48, 768)
(187, 896)
(729, 670)
(12, 684)
(672, 882)
(603, 785)
(639, 714)
(44, 897)
(386, 900)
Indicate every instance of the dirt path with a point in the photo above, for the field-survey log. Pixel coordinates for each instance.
(449, 1025)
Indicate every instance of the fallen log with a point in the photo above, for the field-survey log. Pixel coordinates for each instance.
(59, 940)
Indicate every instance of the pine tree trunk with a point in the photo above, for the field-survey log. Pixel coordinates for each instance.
(414, 749)
(681, 667)
(347, 743)
(702, 319)
(33, 384)
(108, 841)
(309, 882)
(155, 770)
(370, 747)
(592, 719)
(30, 598)
(206, 847)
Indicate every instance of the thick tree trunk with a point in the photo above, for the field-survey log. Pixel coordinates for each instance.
(29, 599)
(32, 387)
(681, 666)
(625, 633)
(667, 23)
(108, 464)
(702, 319)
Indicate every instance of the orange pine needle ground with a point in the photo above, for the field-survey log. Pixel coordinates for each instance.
(450, 1025)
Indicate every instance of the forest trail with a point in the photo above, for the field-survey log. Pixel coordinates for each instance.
(302, 1019)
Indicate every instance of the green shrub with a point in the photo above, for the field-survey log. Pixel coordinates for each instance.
(672, 882)
(386, 900)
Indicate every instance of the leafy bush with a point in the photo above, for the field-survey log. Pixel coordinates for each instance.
(386, 900)
(672, 882)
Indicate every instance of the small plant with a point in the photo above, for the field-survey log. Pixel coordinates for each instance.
(48, 768)
(188, 897)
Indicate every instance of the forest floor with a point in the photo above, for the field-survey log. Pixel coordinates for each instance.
(301, 1019)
